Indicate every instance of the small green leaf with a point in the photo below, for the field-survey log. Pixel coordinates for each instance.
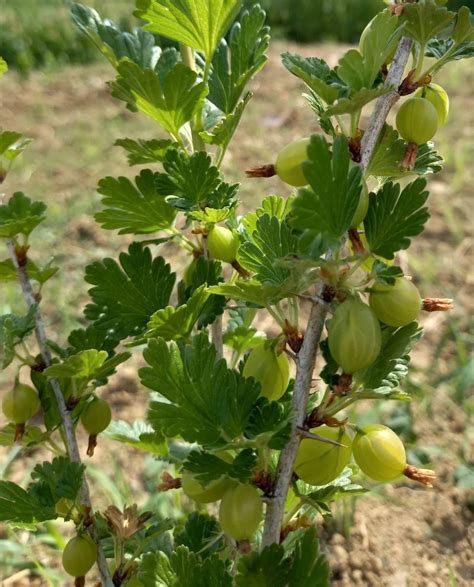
(243, 339)
(35, 273)
(316, 74)
(141, 152)
(112, 42)
(237, 61)
(423, 21)
(221, 134)
(211, 215)
(395, 216)
(177, 323)
(201, 534)
(125, 296)
(267, 568)
(309, 566)
(357, 101)
(385, 274)
(12, 144)
(13, 329)
(18, 506)
(271, 241)
(139, 435)
(171, 102)
(329, 206)
(20, 216)
(136, 210)
(386, 373)
(3, 66)
(201, 24)
(62, 478)
(83, 365)
(207, 467)
(206, 402)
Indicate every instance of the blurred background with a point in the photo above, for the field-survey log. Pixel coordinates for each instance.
(56, 93)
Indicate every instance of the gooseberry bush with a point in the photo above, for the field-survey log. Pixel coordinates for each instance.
(245, 419)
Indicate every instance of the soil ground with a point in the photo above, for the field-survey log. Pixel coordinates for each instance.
(399, 536)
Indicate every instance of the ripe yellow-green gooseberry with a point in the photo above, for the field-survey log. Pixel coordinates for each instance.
(208, 493)
(437, 96)
(319, 463)
(417, 120)
(398, 304)
(289, 163)
(270, 369)
(79, 555)
(223, 244)
(379, 452)
(354, 336)
(20, 403)
(241, 512)
(96, 416)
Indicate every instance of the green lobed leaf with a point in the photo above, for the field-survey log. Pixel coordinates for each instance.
(309, 566)
(328, 206)
(394, 216)
(386, 373)
(201, 534)
(14, 329)
(136, 210)
(221, 134)
(270, 424)
(423, 21)
(12, 144)
(112, 42)
(316, 74)
(390, 152)
(188, 180)
(139, 435)
(200, 24)
(35, 273)
(82, 365)
(271, 241)
(125, 296)
(82, 339)
(206, 402)
(254, 292)
(20, 216)
(385, 274)
(207, 467)
(177, 323)
(141, 152)
(357, 101)
(267, 568)
(62, 478)
(204, 272)
(18, 506)
(171, 102)
(238, 60)
(3, 66)
(155, 570)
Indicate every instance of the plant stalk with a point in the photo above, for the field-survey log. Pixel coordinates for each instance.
(307, 355)
(68, 428)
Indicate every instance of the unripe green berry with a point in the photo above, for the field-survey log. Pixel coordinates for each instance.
(396, 305)
(223, 244)
(272, 371)
(379, 452)
(437, 96)
(96, 416)
(79, 556)
(319, 463)
(417, 120)
(241, 512)
(354, 336)
(289, 163)
(20, 404)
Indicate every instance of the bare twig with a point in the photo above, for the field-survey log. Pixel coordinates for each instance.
(308, 352)
(69, 434)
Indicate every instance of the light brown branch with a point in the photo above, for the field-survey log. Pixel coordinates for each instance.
(69, 434)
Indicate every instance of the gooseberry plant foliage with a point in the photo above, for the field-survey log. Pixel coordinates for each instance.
(240, 417)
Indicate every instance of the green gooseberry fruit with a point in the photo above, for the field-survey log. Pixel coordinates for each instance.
(271, 370)
(379, 452)
(289, 163)
(319, 463)
(223, 244)
(96, 416)
(241, 512)
(437, 96)
(354, 336)
(79, 556)
(21, 403)
(398, 304)
(417, 120)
